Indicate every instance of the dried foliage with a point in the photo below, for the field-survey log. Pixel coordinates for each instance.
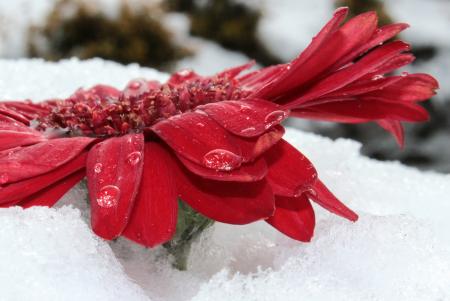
(233, 25)
(75, 29)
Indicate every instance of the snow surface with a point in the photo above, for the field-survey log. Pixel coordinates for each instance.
(398, 250)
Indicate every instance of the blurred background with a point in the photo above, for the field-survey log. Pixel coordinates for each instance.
(210, 35)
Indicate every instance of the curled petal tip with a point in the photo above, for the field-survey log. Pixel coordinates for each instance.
(341, 11)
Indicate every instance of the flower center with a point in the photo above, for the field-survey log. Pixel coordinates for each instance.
(139, 106)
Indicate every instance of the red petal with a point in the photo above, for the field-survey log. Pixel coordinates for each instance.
(381, 35)
(251, 148)
(28, 109)
(292, 76)
(14, 115)
(235, 71)
(249, 172)
(392, 64)
(226, 202)
(297, 223)
(363, 110)
(114, 169)
(246, 118)
(356, 31)
(52, 194)
(347, 75)
(258, 79)
(40, 158)
(395, 128)
(15, 134)
(410, 88)
(364, 86)
(290, 172)
(25, 188)
(322, 196)
(197, 137)
(154, 217)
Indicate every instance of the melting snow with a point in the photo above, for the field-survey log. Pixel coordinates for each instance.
(398, 250)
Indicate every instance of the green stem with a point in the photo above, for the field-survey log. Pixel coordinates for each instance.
(190, 225)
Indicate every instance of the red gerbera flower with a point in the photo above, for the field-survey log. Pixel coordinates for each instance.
(214, 142)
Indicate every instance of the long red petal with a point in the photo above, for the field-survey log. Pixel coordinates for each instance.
(14, 115)
(381, 35)
(288, 79)
(364, 110)
(16, 134)
(40, 158)
(353, 33)
(348, 75)
(410, 88)
(154, 217)
(25, 188)
(290, 172)
(298, 222)
(114, 169)
(52, 194)
(395, 128)
(322, 196)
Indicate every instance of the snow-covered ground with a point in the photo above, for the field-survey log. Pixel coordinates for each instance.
(398, 250)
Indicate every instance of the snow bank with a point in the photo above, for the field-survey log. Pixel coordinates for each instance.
(48, 254)
(398, 250)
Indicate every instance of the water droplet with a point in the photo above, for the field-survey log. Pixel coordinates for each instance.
(108, 196)
(200, 124)
(134, 158)
(404, 74)
(245, 108)
(98, 167)
(4, 178)
(311, 191)
(274, 118)
(377, 77)
(201, 112)
(220, 159)
(248, 130)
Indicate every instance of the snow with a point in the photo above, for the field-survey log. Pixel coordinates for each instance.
(398, 250)
(49, 254)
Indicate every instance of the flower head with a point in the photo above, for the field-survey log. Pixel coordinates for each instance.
(214, 142)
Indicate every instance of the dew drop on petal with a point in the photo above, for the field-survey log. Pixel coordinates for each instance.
(98, 167)
(201, 112)
(108, 196)
(220, 159)
(274, 118)
(404, 74)
(134, 158)
(248, 130)
(4, 178)
(245, 108)
(377, 77)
